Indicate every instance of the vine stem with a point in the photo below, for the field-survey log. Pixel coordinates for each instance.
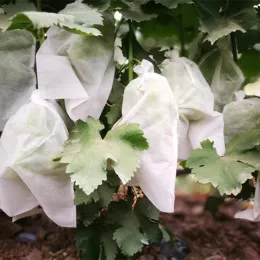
(38, 5)
(181, 33)
(234, 47)
(118, 26)
(40, 31)
(130, 53)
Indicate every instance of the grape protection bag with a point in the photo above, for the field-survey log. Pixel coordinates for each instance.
(29, 177)
(246, 109)
(17, 55)
(197, 119)
(223, 75)
(149, 102)
(252, 214)
(78, 69)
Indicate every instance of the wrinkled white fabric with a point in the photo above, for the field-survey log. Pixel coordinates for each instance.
(29, 177)
(253, 89)
(17, 77)
(198, 120)
(252, 214)
(241, 116)
(148, 101)
(78, 69)
(223, 75)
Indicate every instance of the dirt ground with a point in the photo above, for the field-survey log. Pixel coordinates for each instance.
(209, 238)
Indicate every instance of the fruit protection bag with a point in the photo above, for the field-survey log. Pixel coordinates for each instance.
(17, 56)
(29, 177)
(223, 75)
(149, 102)
(197, 119)
(252, 214)
(78, 69)
(246, 109)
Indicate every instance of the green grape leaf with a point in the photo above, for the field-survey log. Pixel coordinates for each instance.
(88, 241)
(129, 240)
(114, 114)
(226, 173)
(109, 244)
(106, 192)
(83, 14)
(116, 99)
(88, 213)
(250, 63)
(224, 28)
(76, 17)
(113, 179)
(165, 29)
(133, 10)
(145, 208)
(167, 235)
(82, 198)
(86, 153)
(219, 18)
(116, 94)
(172, 3)
(11, 9)
(151, 229)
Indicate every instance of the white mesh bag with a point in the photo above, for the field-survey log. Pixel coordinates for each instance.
(198, 120)
(29, 177)
(17, 77)
(148, 101)
(78, 69)
(223, 75)
(241, 116)
(252, 214)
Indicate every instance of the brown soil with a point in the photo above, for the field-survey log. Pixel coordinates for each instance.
(214, 238)
(210, 238)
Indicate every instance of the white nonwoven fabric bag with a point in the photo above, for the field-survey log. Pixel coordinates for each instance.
(252, 214)
(78, 69)
(148, 101)
(17, 77)
(29, 177)
(223, 75)
(197, 119)
(241, 116)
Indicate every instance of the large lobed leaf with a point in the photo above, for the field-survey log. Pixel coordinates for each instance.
(219, 18)
(9, 10)
(87, 154)
(76, 17)
(229, 172)
(172, 3)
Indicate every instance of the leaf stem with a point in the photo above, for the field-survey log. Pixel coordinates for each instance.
(181, 31)
(40, 32)
(118, 26)
(130, 53)
(38, 5)
(234, 46)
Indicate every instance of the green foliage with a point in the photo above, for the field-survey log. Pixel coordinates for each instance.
(229, 172)
(99, 160)
(115, 99)
(9, 10)
(133, 10)
(250, 63)
(119, 230)
(172, 3)
(220, 18)
(76, 17)
(86, 152)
